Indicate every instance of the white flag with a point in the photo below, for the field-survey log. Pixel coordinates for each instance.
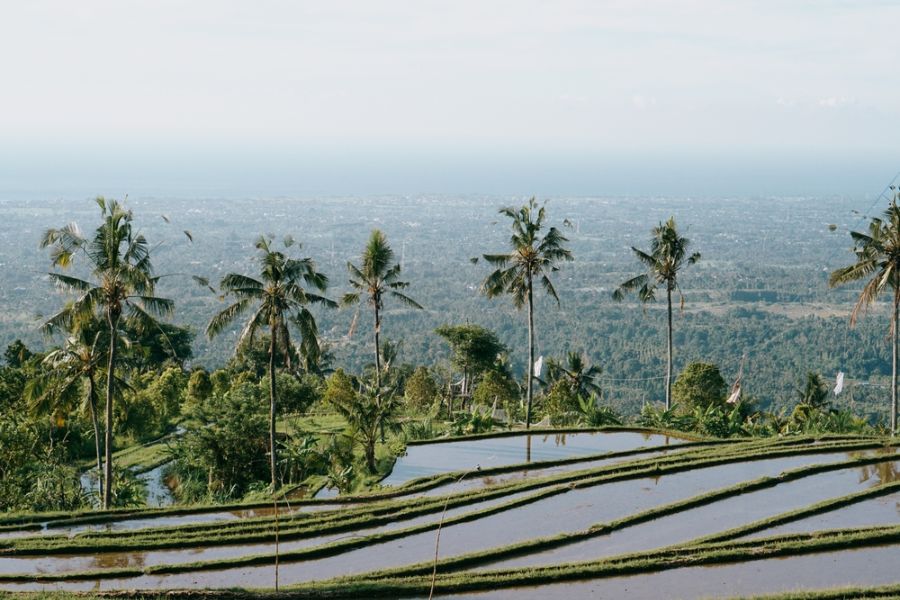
(839, 385)
(539, 366)
(735, 393)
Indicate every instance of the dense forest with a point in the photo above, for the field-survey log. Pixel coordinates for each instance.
(760, 290)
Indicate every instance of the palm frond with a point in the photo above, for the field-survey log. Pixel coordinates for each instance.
(225, 317)
(406, 300)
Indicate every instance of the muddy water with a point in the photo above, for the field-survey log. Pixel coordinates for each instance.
(73, 563)
(432, 459)
(864, 567)
(706, 520)
(572, 511)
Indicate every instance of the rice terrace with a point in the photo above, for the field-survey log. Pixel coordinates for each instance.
(615, 511)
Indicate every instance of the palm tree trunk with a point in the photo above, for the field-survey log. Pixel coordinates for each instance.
(377, 347)
(894, 362)
(113, 320)
(669, 354)
(530, 372)
(272, 350)
(92, 401)
(378, 363)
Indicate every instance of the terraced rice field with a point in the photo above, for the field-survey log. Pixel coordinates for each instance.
(616, 513)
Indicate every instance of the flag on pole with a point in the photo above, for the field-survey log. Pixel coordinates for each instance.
(539, 366)
(735, 393)
(839, 384)
(736, 388)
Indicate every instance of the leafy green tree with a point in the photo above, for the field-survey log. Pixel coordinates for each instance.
(221, 382)
(225, 453)
(153, 403)
(667, 257)
(295, 394)
(16, 354)
(699, 385)
(495, 386)
(421, 389)
(531, 257)
(166, 344)
(200, 386)
(339, 388)
(475, 350)
(280, 298)
(878, 260)
(123, 285)
(376, 277)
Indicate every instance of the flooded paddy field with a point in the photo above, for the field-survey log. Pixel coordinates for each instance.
(572, 499)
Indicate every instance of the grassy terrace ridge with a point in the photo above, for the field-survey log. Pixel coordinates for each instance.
(478, 558)
(312, 524)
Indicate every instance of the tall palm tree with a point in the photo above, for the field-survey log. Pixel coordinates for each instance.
(531, 258)
(122, 289)
(69, 379)
(878, 258)
(377, 277)
(667, 257)
(279, 299)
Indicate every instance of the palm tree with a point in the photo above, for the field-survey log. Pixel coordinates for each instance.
(531, 257)
(70, 378)
(279, 298)
(581, 377)
(878, 258)
(123, 286)
(376, 277)
(667, 257)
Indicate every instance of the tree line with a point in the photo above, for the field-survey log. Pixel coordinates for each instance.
(117, 303)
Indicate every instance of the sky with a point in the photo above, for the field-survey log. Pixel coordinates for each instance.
(621, 97)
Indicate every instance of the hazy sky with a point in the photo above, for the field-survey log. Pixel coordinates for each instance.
(593, 97)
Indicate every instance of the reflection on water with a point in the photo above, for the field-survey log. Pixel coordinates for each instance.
(879, 473)
(112, 560)
(158, 492)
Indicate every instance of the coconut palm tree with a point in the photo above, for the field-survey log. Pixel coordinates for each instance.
(122, 290)
(69, 381)
(667, 257)
(878, 259)
(377, 277)
(279, 298)
(531, 258)
(581, 377)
